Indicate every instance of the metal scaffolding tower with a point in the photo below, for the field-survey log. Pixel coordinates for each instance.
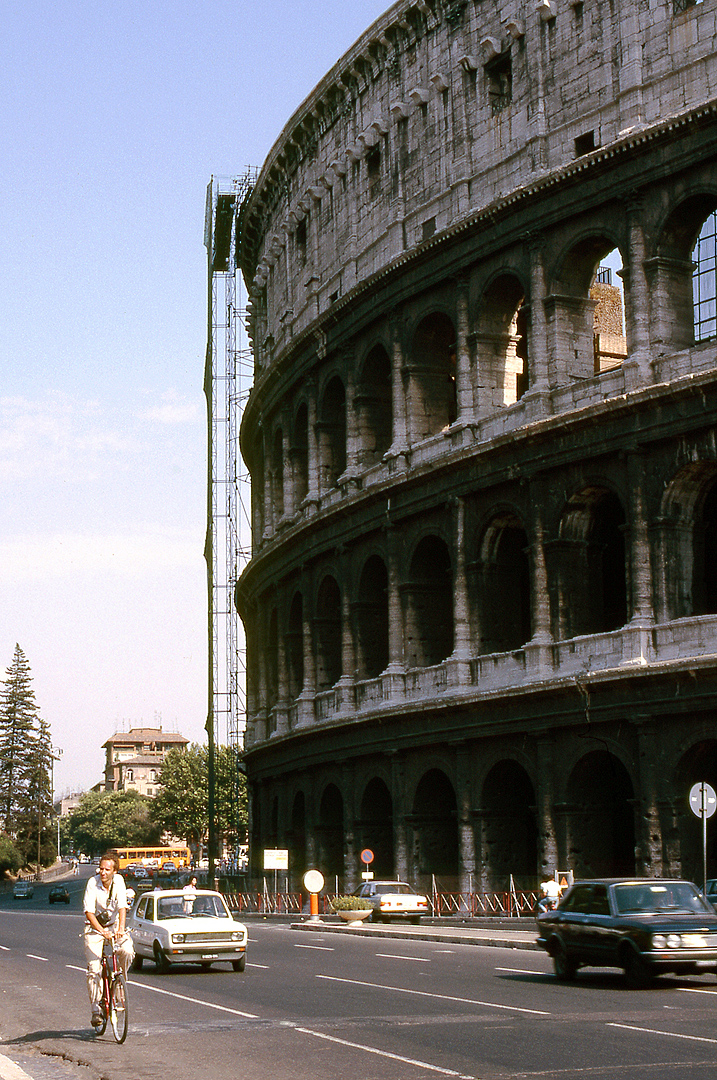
(227, 380)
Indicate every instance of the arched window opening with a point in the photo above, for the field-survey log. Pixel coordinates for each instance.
(376, 827)
(431, 392)
(297, 840)
(371, 619)
(277, 476)
(591, 572)
(504, 586)
(373, 406)
(601, 821)
(510, 832)
(300, 454)
(579, 295)
(435, 827)
(704, 280)
(502, 343)
(331, 431)
(330, 833)
(705, 557)
(610, 344)
(699, 765)
(686, 544)
(327, 627)
(429, 604)
(295, 647)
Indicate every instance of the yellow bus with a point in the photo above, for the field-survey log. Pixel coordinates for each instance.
(154, 858)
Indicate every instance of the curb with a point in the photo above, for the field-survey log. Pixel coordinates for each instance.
(468, 937)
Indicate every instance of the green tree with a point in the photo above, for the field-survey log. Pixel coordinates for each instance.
(181, 806)
(10, 857)
(109, 819)
(35, 838)
(19, 723)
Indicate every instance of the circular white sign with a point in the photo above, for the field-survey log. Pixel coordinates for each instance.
(703, 804)
(313, 881)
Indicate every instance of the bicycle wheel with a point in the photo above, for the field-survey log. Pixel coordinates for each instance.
(118, 1008)
(101, 1028)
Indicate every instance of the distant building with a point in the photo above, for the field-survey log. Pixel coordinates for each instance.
(133, 759)
(68, 803)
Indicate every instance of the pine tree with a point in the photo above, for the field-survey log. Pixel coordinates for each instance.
(19, 727)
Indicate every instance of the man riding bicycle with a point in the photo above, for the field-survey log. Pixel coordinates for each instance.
(105, 911)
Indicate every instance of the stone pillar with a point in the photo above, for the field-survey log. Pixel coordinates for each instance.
(671, 312)
(399, 446)
(640, 553)
(396, 660)
(305, 700)
(353, 435)
(637, 313)
(461, 621)
(400, 831)
(548, 854)
(289, 479)
(464, 389)
(539, 594)
(648, 826)
(268, 499)
(466, 839)
(538, 382)
(351, 872)
(312, 495)
(282, 690)
(345, 685)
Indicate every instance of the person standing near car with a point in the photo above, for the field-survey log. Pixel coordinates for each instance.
(105, 907)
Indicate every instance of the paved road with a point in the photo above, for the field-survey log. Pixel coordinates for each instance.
(343, 1005)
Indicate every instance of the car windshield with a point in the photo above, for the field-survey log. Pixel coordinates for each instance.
(178, 907)
(678, 897)
(392, 887)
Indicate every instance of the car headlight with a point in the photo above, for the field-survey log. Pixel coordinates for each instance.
(178, 939)
(673, 941)
(659, 941)
(236, 936)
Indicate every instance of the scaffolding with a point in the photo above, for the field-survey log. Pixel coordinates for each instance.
(228, 376)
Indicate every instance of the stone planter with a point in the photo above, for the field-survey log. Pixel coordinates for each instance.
(354, 917)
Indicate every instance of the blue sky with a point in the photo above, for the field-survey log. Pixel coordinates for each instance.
(113, 119)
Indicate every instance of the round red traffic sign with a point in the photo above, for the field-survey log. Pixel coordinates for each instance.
(367, 855)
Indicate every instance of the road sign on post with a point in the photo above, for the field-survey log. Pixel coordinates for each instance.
(367, 859)
(703, 803)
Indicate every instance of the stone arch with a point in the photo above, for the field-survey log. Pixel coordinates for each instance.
(687, 543)
(373, 405)
(570, 310)
(509, 839)
(327, 630)
(589, 572)
(697, 765)
(371, 619)
(300, 454)
(431, 390)
(428, 601)
(671, 277)
(434, 824)
(295, 647)
(330, 834)
(331, 433)
(504, 585)
(376, 826)
(501, 343)
(599, 817)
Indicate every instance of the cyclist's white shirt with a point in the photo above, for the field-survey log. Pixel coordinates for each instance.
(98, 898)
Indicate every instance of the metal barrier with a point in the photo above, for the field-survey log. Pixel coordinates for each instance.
(443, 904)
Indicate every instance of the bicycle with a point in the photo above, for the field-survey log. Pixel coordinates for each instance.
(113, 1003)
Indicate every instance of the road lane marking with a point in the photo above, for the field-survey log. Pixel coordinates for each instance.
(394, 956)
(696, 990)
(180, 997)
(670, 1034)
(441, 997)
(522, 971)
(5, 948)
(10, 1071)
(321, 948)
(33, 957)
(386, 1054)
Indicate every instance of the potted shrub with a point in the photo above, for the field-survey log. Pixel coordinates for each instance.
(352, 909)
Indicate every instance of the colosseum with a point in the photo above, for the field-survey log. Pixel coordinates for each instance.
(481, 605)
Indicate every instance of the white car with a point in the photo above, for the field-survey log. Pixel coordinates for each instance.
(173, 927)
(393, 900)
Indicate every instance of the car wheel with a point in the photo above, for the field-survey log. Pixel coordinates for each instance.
(160, 959)
(137, 962)
(205, 966)
(564, 968)
(637, 973)
(239, 964)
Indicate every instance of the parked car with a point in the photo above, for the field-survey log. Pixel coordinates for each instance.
(170, 927)
(644, 926)
(59, 894)
(23, 890)
(169, 867)
(711, 891)
(393, 900)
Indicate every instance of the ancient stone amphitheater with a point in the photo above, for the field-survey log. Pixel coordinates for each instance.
(481, 608)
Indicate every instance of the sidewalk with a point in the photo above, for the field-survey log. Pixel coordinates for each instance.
(500, 933)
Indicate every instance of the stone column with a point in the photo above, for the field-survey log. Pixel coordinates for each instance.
(637, 307)
(640, 553)
(461, 621)
(312, 495)
(353, 436)
(466, 838)
(289, 479)
(648, 826)
(351, 855)
(345, 685)
(268, 499)
(396, 661)
(464, 389)
(399, 446)
(538, 382)
(398, 799)
(305, 700)
(548, 854)
(282, 690)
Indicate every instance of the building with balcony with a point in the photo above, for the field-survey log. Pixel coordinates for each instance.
(481, 607)
(133, 759)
